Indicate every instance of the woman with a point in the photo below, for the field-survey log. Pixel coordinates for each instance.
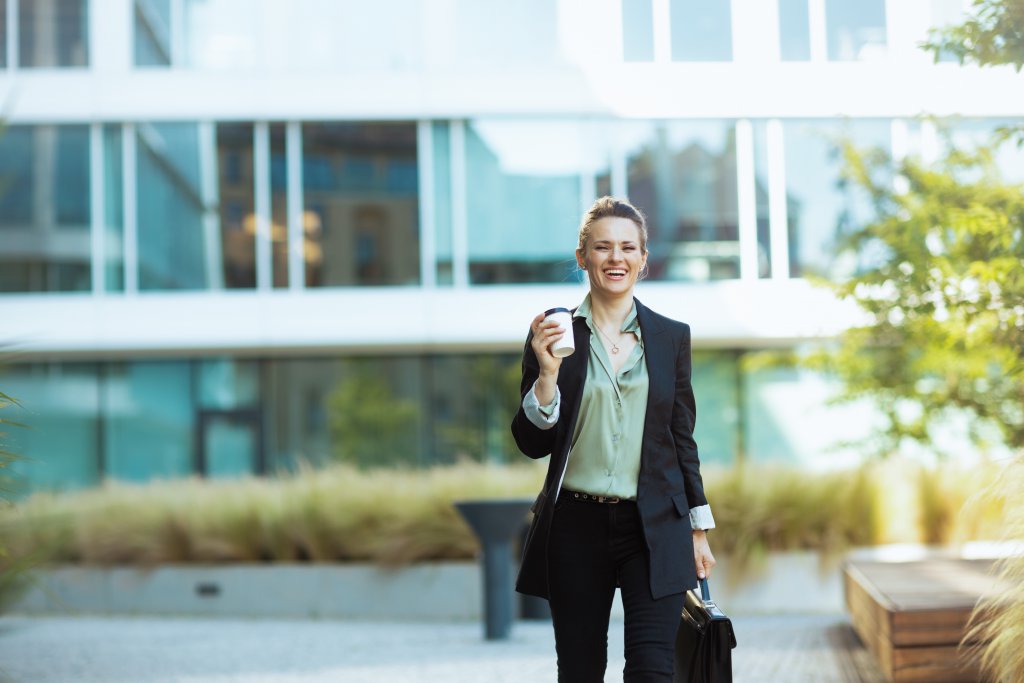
(623, 503)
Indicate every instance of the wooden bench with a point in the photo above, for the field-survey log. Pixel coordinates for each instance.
(912, 616)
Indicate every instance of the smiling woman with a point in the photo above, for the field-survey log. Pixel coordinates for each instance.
(623, 503)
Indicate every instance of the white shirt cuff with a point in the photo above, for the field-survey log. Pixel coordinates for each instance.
(543, 417)
(701, 518)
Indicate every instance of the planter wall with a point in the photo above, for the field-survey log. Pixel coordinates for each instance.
(789, 583)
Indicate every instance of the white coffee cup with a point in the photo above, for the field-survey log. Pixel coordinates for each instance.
(564, 346)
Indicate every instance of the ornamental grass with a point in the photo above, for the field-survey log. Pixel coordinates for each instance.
(394, 517)
(998, 622)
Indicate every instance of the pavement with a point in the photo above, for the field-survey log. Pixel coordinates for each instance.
(789, 649)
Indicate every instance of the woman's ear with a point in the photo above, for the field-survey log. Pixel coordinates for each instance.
(579, 259)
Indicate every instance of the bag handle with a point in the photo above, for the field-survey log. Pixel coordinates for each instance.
(705, 593)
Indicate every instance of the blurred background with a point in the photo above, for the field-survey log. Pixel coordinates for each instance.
(266, 268)
(236, 235)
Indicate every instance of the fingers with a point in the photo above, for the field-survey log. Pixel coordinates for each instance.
(545, 334)
(705, 561)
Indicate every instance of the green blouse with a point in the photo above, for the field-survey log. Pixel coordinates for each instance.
(604, 457)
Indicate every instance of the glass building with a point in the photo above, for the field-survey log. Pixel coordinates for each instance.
(237, 235)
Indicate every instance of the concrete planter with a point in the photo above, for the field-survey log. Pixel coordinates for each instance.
(424, 591)
(788, 582)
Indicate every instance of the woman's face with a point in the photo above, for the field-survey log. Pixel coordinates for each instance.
(612, 257)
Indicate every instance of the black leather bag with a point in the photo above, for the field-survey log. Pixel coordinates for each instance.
(705, 640)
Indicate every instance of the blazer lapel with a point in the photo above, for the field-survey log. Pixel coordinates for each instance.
(572, 374)
(661, 362)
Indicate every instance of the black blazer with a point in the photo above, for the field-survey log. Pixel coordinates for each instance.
(670, 482)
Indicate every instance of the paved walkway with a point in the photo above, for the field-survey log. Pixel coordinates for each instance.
(788, 649)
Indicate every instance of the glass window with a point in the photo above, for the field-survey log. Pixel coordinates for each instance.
(279, 204)
(683, 176)
(44, 209)
(148, 415)
(523, 193)
(471, 400)
(53, 33)
(361, 204)
(701, 30)
(968, 134)
(715, 390)
(855, 29)
(789, 417)
(3, 34)
(637, 30)
(237, 202)
(174, 251)
(442, 201)
(152, 32)
(764, 239)
(794, 31)
(60, 409)
(363, 411)
(229, 419)
(946, 13)
(821, 206)
(113, 190)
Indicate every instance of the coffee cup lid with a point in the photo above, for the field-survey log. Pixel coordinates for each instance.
(559, 309)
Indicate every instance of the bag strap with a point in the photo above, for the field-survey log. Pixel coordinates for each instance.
(705, 593)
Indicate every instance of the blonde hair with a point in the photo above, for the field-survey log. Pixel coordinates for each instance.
(607, 207)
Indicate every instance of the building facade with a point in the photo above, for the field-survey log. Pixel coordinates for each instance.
(236, 235)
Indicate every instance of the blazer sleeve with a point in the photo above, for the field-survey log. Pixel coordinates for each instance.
(531, 439)
(684, 417)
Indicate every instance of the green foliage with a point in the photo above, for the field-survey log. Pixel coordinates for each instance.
(993, 35)
(13, 570)
(944, 322)
(367, 422)
(8, 484)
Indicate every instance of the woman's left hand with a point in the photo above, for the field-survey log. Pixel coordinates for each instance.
(702, 554)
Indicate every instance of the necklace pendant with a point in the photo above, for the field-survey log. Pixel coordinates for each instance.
(615, 349)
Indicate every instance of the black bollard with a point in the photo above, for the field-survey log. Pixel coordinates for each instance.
(496, 523)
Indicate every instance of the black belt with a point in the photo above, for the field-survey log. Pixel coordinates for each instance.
(592, 498)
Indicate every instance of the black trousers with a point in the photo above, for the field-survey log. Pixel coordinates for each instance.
(595, 547)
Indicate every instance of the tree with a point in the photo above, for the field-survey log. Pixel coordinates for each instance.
(944, 328)
(368, 424)
(992, 35)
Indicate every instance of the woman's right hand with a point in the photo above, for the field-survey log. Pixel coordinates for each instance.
(544, 335)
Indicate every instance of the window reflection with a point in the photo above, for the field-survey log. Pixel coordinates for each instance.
(855, 29)
(523, 200)
(361, 203)
(764, 239)
(175, 252)
(44, 209)
(637, 31)
(279, 204)
(794, 30)
(53, 33)
(3, 33)
(60, 403)
(152, 32)
(148, 418)
(701, 30)
(113, 206)
(821, 206)
(237, 204)
(441, 133)
(683, 176)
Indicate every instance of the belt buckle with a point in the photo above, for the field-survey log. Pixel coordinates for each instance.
(608, 499)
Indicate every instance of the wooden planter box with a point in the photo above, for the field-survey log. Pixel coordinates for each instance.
(913, 616)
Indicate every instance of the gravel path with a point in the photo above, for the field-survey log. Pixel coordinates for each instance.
(789, 649)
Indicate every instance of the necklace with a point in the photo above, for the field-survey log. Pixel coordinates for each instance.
(615, 348)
